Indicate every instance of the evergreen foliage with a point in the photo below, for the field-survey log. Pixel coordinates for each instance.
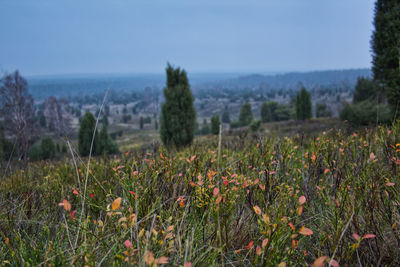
(85, 135)
(141, 122)
(268, 111)
(366, 89)
(106, 144)
(178, 115)
(246, 115)
(225, 117)
(303, 105)
(386, 50)
(215, 123)
(322, 111)
(366, 113)
(205, 129)
(255, 125)
(47, 148)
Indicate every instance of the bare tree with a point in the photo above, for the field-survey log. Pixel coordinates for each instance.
(17, 108)
(55, 112)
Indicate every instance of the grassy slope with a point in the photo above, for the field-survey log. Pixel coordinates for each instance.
(244, 209)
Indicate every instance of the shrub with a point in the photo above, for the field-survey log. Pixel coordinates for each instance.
(366, 113)
(47, 148)
(255, 125)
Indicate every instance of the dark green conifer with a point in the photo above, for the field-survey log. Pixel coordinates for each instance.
(178, 115)
(85, 135)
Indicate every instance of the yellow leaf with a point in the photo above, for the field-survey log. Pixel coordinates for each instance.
(282, 264)
(266, 218)
(319, 262)
(305, 231)
(116, 203)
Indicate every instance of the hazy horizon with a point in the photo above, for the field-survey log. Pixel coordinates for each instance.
(42, 38)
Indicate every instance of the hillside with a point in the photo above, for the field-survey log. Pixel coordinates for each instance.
(261, 200)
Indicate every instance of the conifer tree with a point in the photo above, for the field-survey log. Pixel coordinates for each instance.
(386, 50)
(85, 135)
(246, 115)
(178, 116)
(215, 123)
(106, 144)
(268, 111)
(303, 105)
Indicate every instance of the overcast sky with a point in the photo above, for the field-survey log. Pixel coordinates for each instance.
(140, 36)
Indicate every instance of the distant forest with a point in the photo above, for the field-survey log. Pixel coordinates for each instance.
(203, 85)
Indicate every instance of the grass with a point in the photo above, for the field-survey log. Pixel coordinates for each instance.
(287, 201)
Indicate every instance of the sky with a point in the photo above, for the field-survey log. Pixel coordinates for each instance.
(45, 37)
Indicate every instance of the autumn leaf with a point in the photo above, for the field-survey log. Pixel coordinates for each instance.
(333, 263)
(390, 184)
(128, 244)
(65, 203)
(258, 251)
(161, 260)
(282, 264)
(368, 236)
(250, 245)
(302, 200)
(257, 210)
(72, 214)
(264, 242)
(215, 191)
(188, 264)
(305, 231)
(116, 203)
(149, 258)
(300, 210)
(319, 262)
(356, 236)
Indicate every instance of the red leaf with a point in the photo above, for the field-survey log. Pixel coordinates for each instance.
(368, 236)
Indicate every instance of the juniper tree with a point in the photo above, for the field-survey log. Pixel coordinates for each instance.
(85, 135)
(246, 115)
(386, 50)
(178, 115)
(303, 105)
(215, 123)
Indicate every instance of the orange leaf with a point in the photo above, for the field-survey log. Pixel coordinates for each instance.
(215, 191)
(188, 264)
(257, 210)
(305, 231)
(333, 263)
(250, 245)
(258, 251)
(149, 258)
(219, 198)
(291, 226)
(128, 244)
(368, 236)
(65, 203)
(300, 210)
(161, 260)
(326, 171)
(356, 236)
(265, 242)
(319, 262)
(116, 203)
(72, 214)
(302, 200)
